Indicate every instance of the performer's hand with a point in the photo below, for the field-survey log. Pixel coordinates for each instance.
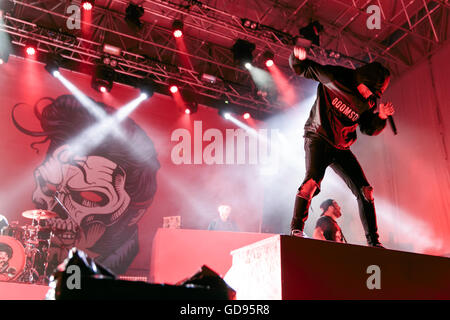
(300, 53)
(386, 110)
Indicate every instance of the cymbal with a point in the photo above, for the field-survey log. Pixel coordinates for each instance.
(39, 214)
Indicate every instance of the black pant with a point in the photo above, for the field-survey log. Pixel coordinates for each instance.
(319, 155)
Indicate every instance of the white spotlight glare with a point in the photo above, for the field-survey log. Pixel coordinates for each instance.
(227, 116)
(56, 74)
(144, 96)
(248, 65)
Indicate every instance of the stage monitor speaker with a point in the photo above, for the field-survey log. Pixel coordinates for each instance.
(80, 278)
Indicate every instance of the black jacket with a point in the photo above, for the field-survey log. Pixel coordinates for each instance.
(339, 107)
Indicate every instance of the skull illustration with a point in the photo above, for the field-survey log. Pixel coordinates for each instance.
(88, 193)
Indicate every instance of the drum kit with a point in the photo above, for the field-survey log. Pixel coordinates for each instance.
(26, 248)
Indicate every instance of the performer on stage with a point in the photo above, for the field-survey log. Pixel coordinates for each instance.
(345, 99)
(223, 223)
(326, 227)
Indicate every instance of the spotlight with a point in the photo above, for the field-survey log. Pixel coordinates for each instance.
(53, 62)
(103, 78)
(87, 4)
(133, 15)
(225, 113)
(4, 56)
(177, 28)
(173, 88)
(31, 48)
(146, 86)
(268, 57)
(312, 32)
(191, 107)
(109, 61)
(243, 51)
(246, 116)
(248, 65)
(249, 24)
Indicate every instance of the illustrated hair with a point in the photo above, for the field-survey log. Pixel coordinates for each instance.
(6, 248)
(64, 118)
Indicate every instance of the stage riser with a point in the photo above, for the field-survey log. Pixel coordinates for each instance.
(314, 269)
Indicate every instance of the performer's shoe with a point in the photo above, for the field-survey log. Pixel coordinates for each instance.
(298, 233)
(377, 245)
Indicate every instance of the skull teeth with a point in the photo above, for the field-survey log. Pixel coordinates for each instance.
(63, 225)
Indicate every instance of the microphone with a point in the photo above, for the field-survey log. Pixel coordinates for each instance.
(392, 124)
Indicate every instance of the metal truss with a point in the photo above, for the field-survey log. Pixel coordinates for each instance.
(154, 51)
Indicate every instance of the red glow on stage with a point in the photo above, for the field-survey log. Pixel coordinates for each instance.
(87, 6)
(269, 63)
(177, 33)
(246, 116)
(173, 89)
(31, 51)
(284, 87)
(183, 56)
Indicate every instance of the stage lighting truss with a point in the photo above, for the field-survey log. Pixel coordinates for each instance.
(103, 78)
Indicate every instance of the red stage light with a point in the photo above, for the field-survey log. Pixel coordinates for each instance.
(177, 33)
(246, 116)
(31, 51)
(103, 89)
(173, 89)
(269, 63)
(87, 5)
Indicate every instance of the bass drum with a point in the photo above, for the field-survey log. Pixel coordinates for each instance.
(12, 258)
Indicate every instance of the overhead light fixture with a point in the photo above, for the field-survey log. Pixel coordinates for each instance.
(246, 116)
(133, 14)
(249, 24)
(31, 48)
(112, 50)
(191, 107)
(110, 61)
(177, 28)
(103, 78)
(243, 52)
(312, 32)
(268, 58)
(146, 86)
(173, 88)
(209, 78)
(53, 62)
(87, 5)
